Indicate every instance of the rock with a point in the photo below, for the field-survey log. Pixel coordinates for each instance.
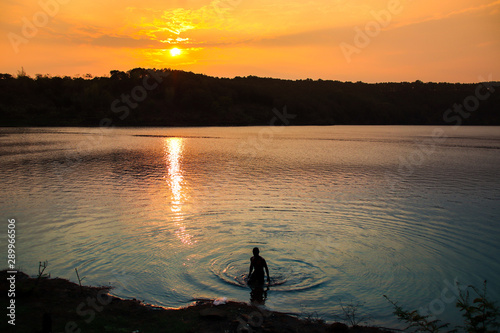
(213, 313)
(339, 328)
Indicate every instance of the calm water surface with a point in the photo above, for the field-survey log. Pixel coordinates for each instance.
(341, 214)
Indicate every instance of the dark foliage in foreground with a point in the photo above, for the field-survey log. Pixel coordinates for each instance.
(143, 97)
(480, 314)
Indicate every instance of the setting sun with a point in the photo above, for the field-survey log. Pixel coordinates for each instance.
(175, 52)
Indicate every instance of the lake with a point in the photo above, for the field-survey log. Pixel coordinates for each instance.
(342, 214)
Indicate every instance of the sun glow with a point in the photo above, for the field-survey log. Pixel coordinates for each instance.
(175, 52)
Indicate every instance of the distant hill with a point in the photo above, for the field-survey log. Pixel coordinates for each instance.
(142, 97)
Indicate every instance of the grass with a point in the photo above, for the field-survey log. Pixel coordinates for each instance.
(480, 314)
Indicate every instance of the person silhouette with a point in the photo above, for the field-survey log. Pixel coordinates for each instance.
(257, 265)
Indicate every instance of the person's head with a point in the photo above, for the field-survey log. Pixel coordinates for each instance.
(255, 251)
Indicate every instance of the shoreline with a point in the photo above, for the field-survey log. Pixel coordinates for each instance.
(59, 305)
(239, 125)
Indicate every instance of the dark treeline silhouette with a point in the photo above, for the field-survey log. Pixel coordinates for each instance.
(142, 97)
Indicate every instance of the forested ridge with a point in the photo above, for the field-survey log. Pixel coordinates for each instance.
(142, 97)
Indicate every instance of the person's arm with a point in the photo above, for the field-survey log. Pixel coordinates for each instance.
(267, 271)
(251, 268)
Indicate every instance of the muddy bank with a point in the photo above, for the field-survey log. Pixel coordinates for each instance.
(58, 305)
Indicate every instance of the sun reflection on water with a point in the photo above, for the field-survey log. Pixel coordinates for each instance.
(173, 152)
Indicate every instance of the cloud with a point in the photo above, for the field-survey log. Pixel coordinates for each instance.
(127, 42)
(324, 36)
(451, 14)
(179, 20)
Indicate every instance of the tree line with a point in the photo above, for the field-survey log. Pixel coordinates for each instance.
(153, 97)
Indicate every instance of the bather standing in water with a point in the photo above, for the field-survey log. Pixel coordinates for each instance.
(257, 264)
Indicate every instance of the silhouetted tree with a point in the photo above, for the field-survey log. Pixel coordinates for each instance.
(184, 98)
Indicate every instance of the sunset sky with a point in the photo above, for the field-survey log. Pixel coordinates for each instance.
(346, 40)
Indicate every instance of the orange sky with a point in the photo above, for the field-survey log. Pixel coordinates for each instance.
(346, 40)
